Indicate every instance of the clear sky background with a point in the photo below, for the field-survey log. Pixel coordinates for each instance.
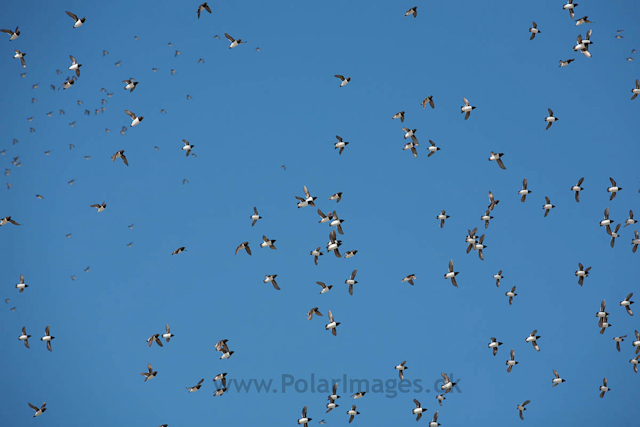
(253, 111)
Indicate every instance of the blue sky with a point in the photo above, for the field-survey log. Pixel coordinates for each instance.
(253, 111)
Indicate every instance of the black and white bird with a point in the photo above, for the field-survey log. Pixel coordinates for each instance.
(343, 81)
(497, 157)
(550, 119)
(413, 11)
(120, 154)
(494, 344)
(604, 388)
(77, 21)
(521, 408)
(40, 410)
(195, 387)
(626, 303)
(234, 42)
(203, 6)
(578, 189)
(534, 30)
(12, 34)
(557, 380)
(452, 274)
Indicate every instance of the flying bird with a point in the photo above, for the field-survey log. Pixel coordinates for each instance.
(486, 218)
(267, 243)
(400, 116)
(313, 311)
(195, 387)
(130, 84)
(179, 250)
(20, 55)
(401, 368)
(466, 108)
(352, 281)
(614, 234)
(524, 190)
(203, 6)
(618, 340)
(332, 325)
(411, 146)
(167, 336)
(47, 337)
(336, 222)
(337, 197)
(148, 375)
(330, 406)
(547, 206)
(512, 361)
(334, 244)
(325, 288)
(77, 22)
(583, 20)
(187, 147)
(604, 388)
(75, 66)
(21, 286)
(154, 338)
(511, 294)
(533, 339)
(120, 154)
(99, 207)
(24, 337)
(234, 42)
(582, 273)
(428, 100)
(341, 144)
(304, 420)
(308, 200)
(613, 189)
(557, 380)
(271, 278)
(494, 344)
(411, 133)
(498, 278)
(409, 279)
(255, 217)
(577, 189)
(521, 408)
(497, 157)
(135, 120)
(534, 30)
(12, 34)
(316, 253)
(413, 11)
(550, 119)
(569, 6)
(630, 220)
(479, 246)
(352, 412)
(40, 410)
(635, 91)
(432, 148)
(418, 410)
(452, 274)
(343, 81)
(448, 385)
(221, 377)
